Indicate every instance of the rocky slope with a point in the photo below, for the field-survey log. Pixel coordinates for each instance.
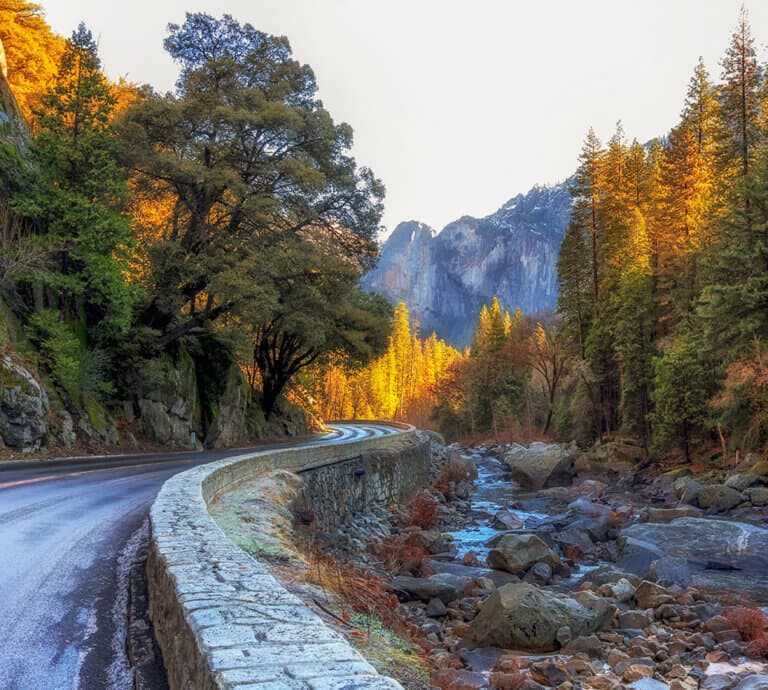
(446, 277)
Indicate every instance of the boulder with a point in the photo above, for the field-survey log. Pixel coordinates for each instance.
(539, 574)
(622, 590)
(670, 571)
(744, 480)
(758, 681)
(442, 586)
(506, 520)
(542, 465)
(523, 616)
(648, 684)
(757, 495)
(708, 544)
(23, 407)
(637, 554)
(634, 619)
(716, 498)
(688, 490)
(516, 553)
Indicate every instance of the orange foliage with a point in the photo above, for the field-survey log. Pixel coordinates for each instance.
(32, 52)
(401, 384)
(400, 555)
(752, 623)
(424, 511)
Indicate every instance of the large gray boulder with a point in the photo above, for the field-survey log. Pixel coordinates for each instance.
(716, 498)
(523, 616)
(23, 407)
(717, 544)
(516, 553)
(542, 465)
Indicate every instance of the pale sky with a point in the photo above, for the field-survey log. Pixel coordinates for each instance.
(458, 106)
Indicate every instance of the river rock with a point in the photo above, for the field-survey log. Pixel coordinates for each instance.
(717, 497)
(649, 595)
(688, 490)
(523, 616)
(442, 586)
(757, 495)
(670, 571)
(755, 682)
(542, 465)
(648, 684)
(506, 520)
(637, 554)
(23, 407)
(516, 553)
(743, 481)
(719, 544)
(668, 514)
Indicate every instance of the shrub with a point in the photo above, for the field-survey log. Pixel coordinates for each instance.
(453, 471)
(750, 622)
(424, 511)
(398, 555)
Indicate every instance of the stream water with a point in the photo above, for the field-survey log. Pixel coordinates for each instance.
(709, 545)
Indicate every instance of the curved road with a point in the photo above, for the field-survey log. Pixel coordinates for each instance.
(69, 535)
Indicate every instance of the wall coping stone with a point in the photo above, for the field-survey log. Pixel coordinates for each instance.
(222, 621)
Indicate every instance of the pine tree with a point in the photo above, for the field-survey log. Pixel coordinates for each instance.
(585, 213)
(80, 202)
(740, 99)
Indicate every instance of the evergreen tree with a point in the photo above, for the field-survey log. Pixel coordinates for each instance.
(79, 202)
(740, 100)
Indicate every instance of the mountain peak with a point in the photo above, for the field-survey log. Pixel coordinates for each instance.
(446, 277)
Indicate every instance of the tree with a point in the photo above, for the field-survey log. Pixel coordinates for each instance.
(585, 213)
(320, 312)
(549, 360)
(78, 200)
(251, 159)
(740, 98)
(683, 387)
(32, 52)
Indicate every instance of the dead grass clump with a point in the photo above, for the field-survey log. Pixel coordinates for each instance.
(453, 471)
(424, 512)
(752, 623)
(399, 555)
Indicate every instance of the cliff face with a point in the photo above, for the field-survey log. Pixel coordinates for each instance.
(446, 277)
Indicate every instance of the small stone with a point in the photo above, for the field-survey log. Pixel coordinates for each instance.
(436, 608)
(636, 672)
(649, 595)
(564, 635)
(717, 624)
(634, 619)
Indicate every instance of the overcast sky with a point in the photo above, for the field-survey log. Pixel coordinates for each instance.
(458, 106)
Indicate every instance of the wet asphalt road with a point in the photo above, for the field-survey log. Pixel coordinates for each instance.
(68, 536)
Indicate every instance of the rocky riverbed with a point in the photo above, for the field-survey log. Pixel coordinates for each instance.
(543, 566)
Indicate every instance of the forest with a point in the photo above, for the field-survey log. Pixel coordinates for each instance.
(148, 238)
(206, 246)
(660, 335)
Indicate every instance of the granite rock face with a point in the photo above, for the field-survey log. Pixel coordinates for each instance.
(23, 407)
(444, 278)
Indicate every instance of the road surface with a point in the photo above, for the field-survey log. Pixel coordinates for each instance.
(69, 535)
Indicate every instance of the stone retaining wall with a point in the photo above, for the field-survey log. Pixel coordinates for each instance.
(220, 618)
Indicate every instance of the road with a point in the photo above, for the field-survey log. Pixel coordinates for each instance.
(69, 535)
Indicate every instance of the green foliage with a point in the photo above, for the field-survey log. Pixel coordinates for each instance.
(683, 378)
(76, 370)
(77, 199)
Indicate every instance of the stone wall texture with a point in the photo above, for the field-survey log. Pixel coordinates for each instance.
(220, 618)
